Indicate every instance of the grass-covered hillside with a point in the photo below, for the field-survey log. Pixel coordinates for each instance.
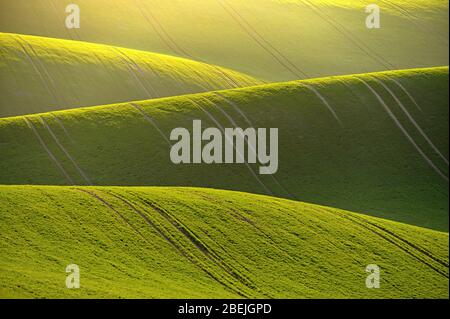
(40, 74)
(373, 143)
(198, 243)
(275, 40)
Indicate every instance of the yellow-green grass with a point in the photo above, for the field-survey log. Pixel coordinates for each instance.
(398, 7)
(391, 166)
(275, 40)
(199, 243)
(42, 74)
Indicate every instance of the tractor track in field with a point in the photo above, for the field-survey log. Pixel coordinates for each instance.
(247, 120)
(64, 150)
(415, 19)
(176, 48)
(403, 130)
(110, 207)
(161, 233)
(61, 125)
(49, 152)
(51, 81)
(243, 278)
(210, 254)
(349, 35)
(63, 22)
(261, 41)
(397, 82)
(239, 216)
(410, 244)
(413, 121)
(151, 121)
(181, 228)
(162, 33)
(134, 75)
(39, 73)
(324, 101)
(212, 118)
(414, 251)
(135, 66)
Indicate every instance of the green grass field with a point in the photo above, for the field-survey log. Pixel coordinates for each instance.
(86, 176)
(365, 163)
(42, 74)
(198, 243)
(274, 40)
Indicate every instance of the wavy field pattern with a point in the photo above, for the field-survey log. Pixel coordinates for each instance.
(268, 39)
(405, 179)
(86, 178)
(194, 243)
(42, 74)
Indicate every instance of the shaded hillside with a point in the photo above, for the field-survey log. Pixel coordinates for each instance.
(374, 143)
(42, 74)
(275, 40)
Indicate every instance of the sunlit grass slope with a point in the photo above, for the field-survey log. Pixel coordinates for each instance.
(374, 143)
(198, 243)
(42, 74)
(275, 40)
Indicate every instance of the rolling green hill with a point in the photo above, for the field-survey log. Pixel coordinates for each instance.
(42, 74)
(198, 243)
(373, 143)
(274, 40)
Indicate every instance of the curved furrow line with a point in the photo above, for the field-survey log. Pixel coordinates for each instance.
(51, 81)
(419, 258)
(169, 240)
(104, 65)
(150, 23)
(410, 244)
(202, 247)
(191, 237)
(324, 101)
(151, 121)
(222, 129)
(394, 240)
(62, 126)
(64, 150)
(135, 65)
(60, 16)
(414, 19)
(264, 44)
(241, 113)
(175, 47)
(397, 82)
(219, 257)
(177, 247)
(350, 36)
(38, 72)
(110, 207)
(50, 154)
(162, 34)
(272, 47)
(239, 216)
(404, 131)
(411, 119)
(133, 73)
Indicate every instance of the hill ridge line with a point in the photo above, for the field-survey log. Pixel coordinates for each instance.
(240, 89)
(103, 45)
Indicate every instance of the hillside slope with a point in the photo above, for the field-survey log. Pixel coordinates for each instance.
(42, 74)
(374, 143)
(198, 243)
(270, 39)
